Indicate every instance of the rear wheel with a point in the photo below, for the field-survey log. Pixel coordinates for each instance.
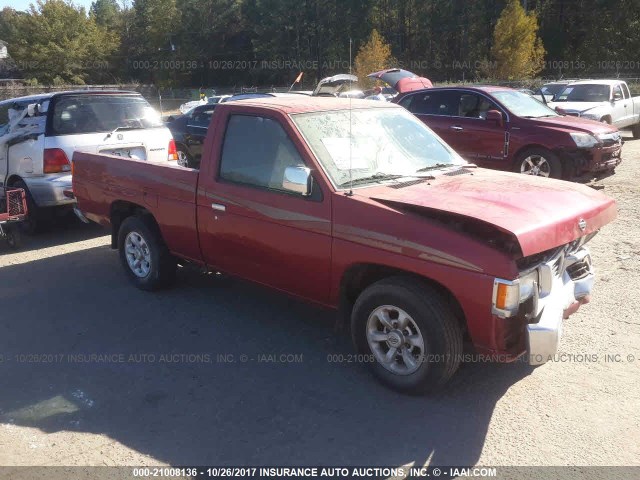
(184, 159)
(34, 222)
(143, 254)
(539, 162)
(410, 337)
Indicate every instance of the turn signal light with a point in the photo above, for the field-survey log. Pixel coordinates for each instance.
(173, 152)
(55, 161)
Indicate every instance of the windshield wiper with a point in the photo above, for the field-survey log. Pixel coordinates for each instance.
(435, 167)
(121, 128)
(371, 178)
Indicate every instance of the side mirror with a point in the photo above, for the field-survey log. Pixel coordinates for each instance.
(32, 109)
(495, 116)
(298, 180)
(617, 96)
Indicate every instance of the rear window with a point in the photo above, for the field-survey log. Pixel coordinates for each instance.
(77, 114)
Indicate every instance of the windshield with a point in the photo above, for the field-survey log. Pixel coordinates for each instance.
(76, 114)
(552, 88)
(584, 93)
(375, 143)
(523, 105)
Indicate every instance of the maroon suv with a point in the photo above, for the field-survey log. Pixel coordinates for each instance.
(502, 128)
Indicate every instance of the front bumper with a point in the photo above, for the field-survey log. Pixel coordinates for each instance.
(591, 161)
(571, 280)
(48, 190)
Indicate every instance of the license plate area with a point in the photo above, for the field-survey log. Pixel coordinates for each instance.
(135, 152)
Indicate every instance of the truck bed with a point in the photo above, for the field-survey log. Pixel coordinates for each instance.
(166, 190)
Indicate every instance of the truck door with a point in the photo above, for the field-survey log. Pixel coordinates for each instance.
(253, 227)
(620, 107)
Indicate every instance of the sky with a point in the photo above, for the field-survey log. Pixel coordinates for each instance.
(24, 4)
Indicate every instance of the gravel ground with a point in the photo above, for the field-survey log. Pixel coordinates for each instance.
(64, 294)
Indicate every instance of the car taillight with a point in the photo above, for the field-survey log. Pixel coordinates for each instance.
(173, 152)
(55, 161)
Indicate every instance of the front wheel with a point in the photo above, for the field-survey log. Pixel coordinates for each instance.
(408, 332)
(144, 256)
(539, 162)
(635, 130)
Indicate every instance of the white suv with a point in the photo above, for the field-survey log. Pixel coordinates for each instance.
(39, 133)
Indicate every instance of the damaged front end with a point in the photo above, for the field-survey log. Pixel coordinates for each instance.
(551, 286)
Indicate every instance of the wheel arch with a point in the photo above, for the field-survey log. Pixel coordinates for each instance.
(358, 277)
(121, 210)
(13, 179)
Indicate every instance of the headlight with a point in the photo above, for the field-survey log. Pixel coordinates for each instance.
(591, 116)
(509, 295)
(584, 140)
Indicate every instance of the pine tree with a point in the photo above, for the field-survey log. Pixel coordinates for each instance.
(373, 56)
(517, 51)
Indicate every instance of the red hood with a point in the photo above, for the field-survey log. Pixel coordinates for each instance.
(540, 213)
(576, 123)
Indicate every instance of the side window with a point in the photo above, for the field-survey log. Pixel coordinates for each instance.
(625, 90)
(201, 118)
(262, 160)
(4, 115)
(473, 105)
(617, 92)
(434, 103)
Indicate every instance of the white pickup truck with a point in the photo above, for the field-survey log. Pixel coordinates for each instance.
(39, 133)
(602, 100)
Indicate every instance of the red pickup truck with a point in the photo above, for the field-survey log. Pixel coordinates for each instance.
(501, 128)
(357, 206)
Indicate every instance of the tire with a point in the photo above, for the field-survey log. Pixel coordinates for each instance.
(635, 130)
(184, 159)
(14, 237)
(540, 162)
(144, 256)
(430, 320)
(34, 221)
(606, 120)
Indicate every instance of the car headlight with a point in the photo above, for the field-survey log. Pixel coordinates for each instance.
(591, 116)
(584, 140)
(509, 295)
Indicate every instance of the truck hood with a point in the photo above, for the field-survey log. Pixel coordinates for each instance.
(578, 106)
(540, 213)
(569, 122)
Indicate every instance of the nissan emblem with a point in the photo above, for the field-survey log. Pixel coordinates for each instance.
(582, 223)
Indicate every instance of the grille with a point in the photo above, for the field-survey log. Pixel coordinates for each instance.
(578, 269)
(15, 202)
(409, 183)
(557, 265)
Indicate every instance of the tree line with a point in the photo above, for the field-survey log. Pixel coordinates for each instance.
(268, 42)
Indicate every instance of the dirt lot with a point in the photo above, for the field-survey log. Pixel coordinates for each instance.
(182, 400)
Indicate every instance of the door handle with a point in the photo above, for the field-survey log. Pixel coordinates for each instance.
(218, 206)
(457, 128)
